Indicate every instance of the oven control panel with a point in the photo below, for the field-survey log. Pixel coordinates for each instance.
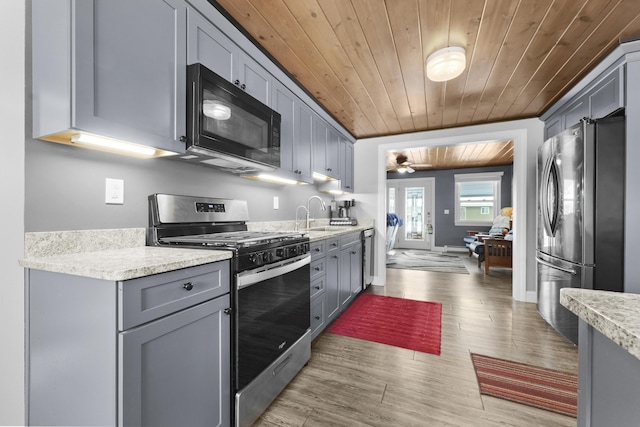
(249, 260)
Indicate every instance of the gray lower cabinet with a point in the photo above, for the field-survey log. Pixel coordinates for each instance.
(153, 351)
(350, 268)
(609, 381)
(336, 278)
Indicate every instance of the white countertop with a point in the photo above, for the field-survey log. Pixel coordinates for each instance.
(118, 254)
(614, 314)
(121, 254)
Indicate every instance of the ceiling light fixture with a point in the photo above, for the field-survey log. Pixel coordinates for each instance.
(446, 64)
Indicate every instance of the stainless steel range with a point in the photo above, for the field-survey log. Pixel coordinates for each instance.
(271, 336)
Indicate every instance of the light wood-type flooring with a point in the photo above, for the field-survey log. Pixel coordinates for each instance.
(351, 382)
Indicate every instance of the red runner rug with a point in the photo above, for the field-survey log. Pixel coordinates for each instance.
(399, 322)
(530, 385)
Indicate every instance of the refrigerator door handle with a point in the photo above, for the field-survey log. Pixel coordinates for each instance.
(550, 213)
(548, 264)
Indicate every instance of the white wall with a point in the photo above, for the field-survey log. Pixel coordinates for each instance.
(12, 104)
(370, 183)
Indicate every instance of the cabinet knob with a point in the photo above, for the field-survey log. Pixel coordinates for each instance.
(243, 86)
(227, 310)
(187, 286)
(353, 252)
(317, 317)
(335, 256)
(183, 138)
(317, 287)
(236, 82)
(316, 268)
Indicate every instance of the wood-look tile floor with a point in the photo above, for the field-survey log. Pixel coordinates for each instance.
(351, 382)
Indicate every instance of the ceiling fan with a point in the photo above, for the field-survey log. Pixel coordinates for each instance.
(403, 165)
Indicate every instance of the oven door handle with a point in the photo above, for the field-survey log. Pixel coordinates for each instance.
(251, 277)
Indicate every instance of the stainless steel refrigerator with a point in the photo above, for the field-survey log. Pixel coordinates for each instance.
(580, 243)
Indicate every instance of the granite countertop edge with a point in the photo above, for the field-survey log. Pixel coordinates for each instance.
(614, 314)
(122, 254)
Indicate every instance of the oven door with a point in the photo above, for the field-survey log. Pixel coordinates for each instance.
(272, 313)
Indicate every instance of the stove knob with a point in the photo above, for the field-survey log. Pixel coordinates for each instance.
(255, 258)
(279, 252)
(267, 257)
(293, 251)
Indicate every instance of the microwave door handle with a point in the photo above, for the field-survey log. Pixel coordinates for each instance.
(248, 278)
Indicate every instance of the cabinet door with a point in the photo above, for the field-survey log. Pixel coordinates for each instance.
(210, 47)
(347, 165)
(345, 278)
(607, 97)
(176, 370)
(332, 295)
(320, 130)
(130, 70)
(333, 153)
(355, 254)
(254, 79)
(284, 103)
(303, 136)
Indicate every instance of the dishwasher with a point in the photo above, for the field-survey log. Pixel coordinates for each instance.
(367, 256)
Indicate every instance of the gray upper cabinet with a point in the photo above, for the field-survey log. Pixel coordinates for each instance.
(602, 97)
(326, 149)
(346, 168)
(295, 135)
(115, 68)
(207, 45)
(210, 47)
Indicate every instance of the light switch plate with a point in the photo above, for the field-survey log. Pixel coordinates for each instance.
(276, 202)
(114, 191)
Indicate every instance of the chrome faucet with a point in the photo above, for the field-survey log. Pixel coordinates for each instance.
(308, 209)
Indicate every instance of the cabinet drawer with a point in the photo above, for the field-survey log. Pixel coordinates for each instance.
(317, 286)
(318, 249)
(349, 239)
(332, 244)
(317, 268)
(148, 298)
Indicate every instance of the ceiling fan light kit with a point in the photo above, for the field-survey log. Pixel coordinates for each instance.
(446, 64)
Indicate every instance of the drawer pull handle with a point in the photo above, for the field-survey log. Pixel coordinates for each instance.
(317, 287)
(316, 268)
(187, 286)
(317, 317)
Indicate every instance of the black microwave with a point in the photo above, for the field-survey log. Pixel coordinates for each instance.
(227, 127)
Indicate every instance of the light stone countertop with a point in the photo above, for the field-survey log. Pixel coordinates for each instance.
(614, 314)
(121, 254)
(118, 254)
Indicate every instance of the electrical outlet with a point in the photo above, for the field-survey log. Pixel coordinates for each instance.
(114, 191)
(276, 202)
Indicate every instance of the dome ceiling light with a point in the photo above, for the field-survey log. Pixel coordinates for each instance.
(446, 64)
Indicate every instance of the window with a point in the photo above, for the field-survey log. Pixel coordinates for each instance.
(477, 198)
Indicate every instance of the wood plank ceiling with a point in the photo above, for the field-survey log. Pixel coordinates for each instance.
(364, 60)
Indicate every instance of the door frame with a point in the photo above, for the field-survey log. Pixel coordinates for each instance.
(425, 182)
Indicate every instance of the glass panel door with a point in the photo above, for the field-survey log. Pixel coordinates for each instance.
(414, 214)
(412, 200)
